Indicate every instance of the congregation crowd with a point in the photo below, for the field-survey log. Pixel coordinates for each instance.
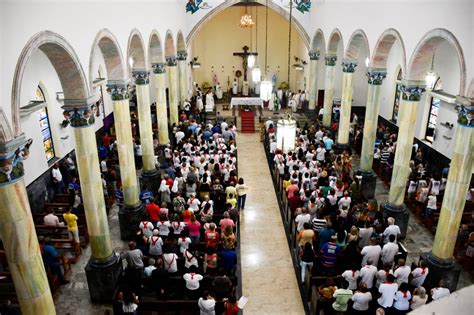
(342, 237)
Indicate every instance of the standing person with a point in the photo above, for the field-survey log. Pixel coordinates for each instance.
(387, 290)
(307, 259)
(71, 221)
(58, 184)
(402, 299)
(342, 295)
(241, 194)
(51, 258)
(207, 304)
(361, 299)
(230, 305)
(389, 250)
(153, 211)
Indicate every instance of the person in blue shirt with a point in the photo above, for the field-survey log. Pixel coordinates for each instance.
(328, 143)
(216, 128)
(146, 195)
(51, 259)
(119, 196)
(103, 151)
(228, 260)
(207, 135)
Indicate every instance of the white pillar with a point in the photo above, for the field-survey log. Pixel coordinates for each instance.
(330, 62)
(183, 89)
(313, 79)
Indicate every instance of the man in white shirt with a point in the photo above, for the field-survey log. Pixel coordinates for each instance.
(179, 136)
(51, 219)
(361, 298)
(391, 229)
(388, 290)
(57, 179)
(146, 227)
(367, 274)
(345, 201)
(371, 251)
(302, 218)
(389, 250)
(192, 279)
(402, 272)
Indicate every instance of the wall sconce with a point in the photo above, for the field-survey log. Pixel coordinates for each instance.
(194, 63)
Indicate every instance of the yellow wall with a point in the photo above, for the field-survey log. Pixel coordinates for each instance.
(222, 36)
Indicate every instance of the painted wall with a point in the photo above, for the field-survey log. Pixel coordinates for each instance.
(222, 36)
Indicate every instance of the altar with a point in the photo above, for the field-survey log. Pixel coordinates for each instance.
(246, 101)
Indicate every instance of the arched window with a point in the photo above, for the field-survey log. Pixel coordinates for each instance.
(433, 114)
(396, 100)
(45, 126)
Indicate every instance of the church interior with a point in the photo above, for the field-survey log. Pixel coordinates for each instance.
(239, 156)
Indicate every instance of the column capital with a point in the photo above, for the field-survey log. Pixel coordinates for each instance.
(349, 65)
(80, 113)
(118, 89)
(171, 61)
(181, 55)
(141, 76)
(376, 75)
(330, 60)
(158, 67)
(412, 90)
(314, 55)
(465, 108)
(13, 150)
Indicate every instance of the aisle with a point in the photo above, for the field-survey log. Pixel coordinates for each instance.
(268, 275)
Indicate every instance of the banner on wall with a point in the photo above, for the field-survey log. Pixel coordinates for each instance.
(194, 5)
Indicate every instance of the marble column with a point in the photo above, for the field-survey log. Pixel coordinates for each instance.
(161, 110)
(133, 211)
(313, 79)
(150, 176)
(183, 90)
(441, 260)
(375, 78)
(411, 94)
(104, 266)
(17, 229)
(330, 61)
(173, 89)
(348, 69)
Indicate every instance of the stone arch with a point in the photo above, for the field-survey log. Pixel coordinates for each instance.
(64, 60)
(226, 4)
(155, 48)
(136, 51)
(384, 46)
(108, 46)
(170, 49)
(420, 61)
(180, 42)
(318, 42)
(357, 41)
(333, 44)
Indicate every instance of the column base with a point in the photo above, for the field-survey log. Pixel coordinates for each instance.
(339, 147)
(368, 184)
(102, 278)
(311, 114)
(129, 219)
(150, 180)
(441, 269)
(401, 214)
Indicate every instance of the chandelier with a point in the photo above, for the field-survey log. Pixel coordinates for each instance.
(246, 20)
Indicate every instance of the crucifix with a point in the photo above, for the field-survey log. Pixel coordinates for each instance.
(245, 55)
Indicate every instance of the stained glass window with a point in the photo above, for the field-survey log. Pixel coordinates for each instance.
(45, 128)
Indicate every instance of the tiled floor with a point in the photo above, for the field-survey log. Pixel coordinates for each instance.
(268, 275)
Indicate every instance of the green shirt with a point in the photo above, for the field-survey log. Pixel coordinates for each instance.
(342, 297)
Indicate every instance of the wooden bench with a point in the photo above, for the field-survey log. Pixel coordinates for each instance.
(58, 232)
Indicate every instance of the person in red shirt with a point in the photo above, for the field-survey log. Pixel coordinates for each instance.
(106, 140)
(294, 202)
(212, 237)
(169, 181)
(153, 211)
(186, 215)
(230, 306)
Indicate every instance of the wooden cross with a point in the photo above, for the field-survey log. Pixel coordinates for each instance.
(245, 55)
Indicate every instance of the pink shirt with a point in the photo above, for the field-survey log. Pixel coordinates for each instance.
(194, 228)
(224, 222)
(291, 189)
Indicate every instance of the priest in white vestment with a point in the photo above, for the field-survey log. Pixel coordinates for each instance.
(218, 91)
(210, 101)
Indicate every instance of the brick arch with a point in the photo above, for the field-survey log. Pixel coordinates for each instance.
(170, 48)
(64, 60)
(357, 41)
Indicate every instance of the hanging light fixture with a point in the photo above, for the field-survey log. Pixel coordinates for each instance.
(246, 20)
(431, 76)
(266, 88)
(286, 133)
